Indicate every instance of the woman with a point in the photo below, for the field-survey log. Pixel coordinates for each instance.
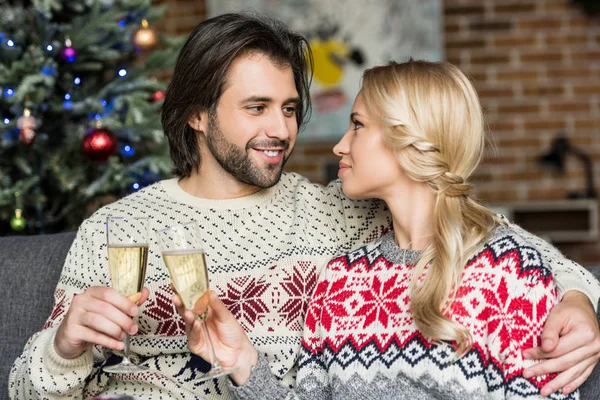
(441, 306)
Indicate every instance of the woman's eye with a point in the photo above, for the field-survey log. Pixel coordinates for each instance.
(357, 125)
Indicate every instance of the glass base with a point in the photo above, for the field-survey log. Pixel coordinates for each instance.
(124, 368)
(215, 373)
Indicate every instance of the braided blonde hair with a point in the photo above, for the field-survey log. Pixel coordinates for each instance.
(434, 125)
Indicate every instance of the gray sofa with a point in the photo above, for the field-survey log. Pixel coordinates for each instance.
(29, 269)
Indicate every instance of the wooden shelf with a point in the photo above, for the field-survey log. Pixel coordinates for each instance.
(557, 221)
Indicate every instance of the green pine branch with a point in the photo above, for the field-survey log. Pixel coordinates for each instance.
(52, 173)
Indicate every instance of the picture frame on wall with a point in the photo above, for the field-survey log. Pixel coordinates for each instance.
(347, 37)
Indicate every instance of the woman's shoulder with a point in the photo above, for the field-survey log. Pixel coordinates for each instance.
(508, 251)
(505, 238)
(504, 232)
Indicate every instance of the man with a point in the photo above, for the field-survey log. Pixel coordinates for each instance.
(232, 112)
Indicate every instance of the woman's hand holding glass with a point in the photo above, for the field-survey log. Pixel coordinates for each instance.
(232, 346)
(183, 253)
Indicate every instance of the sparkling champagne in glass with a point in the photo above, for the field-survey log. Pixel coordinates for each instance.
(127, 257)
(183, 254)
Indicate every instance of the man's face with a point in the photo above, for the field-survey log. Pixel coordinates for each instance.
(253, 130)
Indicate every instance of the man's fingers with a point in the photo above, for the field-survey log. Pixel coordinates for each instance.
(552, 329)
(558, 364)
(144, 294)
(535, 353)
(567, 344)
(112, 296)
(135, 297)
(579, 381)
(95, 309)
(103, 325)
(567, 378)
(553, 386)
(94, 337)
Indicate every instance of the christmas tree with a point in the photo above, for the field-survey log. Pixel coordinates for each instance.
(79, 108)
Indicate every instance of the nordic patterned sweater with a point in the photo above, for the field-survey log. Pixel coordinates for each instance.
(264, 253)
(360, 340)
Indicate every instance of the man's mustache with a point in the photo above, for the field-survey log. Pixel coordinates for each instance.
(269, 143)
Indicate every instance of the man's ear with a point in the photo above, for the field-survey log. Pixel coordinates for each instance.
(199, 121)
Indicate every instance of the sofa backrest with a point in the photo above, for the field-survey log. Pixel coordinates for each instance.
(29, 270)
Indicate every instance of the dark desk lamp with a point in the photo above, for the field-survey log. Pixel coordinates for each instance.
(555, 158)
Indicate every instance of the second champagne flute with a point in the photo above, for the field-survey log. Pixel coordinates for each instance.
(182, 251)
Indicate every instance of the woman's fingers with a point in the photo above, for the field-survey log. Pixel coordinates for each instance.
(219, 310)
(195, 334)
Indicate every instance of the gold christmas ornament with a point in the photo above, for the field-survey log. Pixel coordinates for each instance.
(145, 38)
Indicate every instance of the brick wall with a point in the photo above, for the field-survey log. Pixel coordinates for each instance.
(181, 16)
(536, 66)
(534, 63)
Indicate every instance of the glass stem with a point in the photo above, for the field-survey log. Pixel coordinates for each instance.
(213, 357)
(126, 350)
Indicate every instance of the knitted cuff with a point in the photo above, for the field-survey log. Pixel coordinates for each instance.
(261, 381)
(56, 365)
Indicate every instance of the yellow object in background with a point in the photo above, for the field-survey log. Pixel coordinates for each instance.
(329, 58)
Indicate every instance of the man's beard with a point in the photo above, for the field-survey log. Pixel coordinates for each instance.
(237, 162)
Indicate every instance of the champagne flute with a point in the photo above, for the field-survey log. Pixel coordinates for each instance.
(182, 251)
(127, 256)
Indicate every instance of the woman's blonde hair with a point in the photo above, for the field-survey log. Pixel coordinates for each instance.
(434, 124)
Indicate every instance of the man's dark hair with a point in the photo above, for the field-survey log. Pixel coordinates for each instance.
(200, 75)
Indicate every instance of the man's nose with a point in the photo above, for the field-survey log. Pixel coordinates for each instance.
(278, 127)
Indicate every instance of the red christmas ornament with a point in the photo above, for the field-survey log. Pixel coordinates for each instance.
(99, 144)
(158, 96)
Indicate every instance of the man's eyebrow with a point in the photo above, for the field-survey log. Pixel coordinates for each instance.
(265, 99)
(294, 100)
(257, 99)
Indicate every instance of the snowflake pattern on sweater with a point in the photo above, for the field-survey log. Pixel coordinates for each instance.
(264, 253)
(361, 342)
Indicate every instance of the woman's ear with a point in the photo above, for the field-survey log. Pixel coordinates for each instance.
(199, 121)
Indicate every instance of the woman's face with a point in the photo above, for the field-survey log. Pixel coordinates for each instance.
(368, 168)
